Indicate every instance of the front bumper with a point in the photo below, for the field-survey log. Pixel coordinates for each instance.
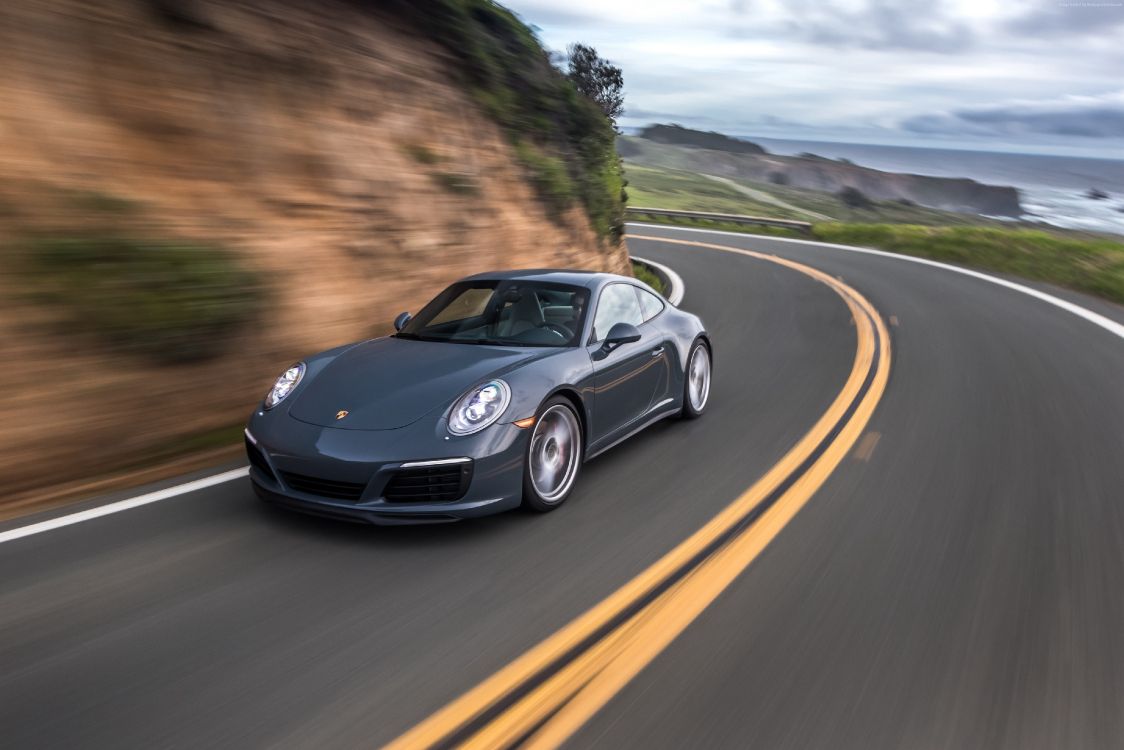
(286, 453)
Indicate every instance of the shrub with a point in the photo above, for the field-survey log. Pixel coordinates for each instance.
(852, 197)
(643, 273)
(420, 153)
(171, 301)
(457, 182)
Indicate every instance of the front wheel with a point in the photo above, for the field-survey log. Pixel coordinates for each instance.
(554, 456)
(696, 381)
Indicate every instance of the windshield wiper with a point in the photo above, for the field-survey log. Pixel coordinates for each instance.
(452, 340)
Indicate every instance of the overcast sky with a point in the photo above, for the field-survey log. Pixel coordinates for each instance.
(1034, 75)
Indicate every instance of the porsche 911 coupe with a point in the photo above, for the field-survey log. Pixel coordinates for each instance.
(491, 397)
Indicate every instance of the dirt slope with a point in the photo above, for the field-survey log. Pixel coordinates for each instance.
(325, 146)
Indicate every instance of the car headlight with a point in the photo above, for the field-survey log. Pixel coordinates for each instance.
(479, 408)
(284, 385)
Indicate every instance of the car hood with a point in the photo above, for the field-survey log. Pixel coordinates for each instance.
(388, 383)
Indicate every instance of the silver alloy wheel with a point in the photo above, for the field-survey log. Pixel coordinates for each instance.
(698, 377)
(555, 453)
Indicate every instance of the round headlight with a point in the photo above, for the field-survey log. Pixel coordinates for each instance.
(284, 385)
(479, 407)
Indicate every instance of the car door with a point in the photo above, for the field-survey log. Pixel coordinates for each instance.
(652, 306)
(625, 377)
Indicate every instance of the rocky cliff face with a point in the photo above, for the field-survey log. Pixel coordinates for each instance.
(326, 146)
(828, 175)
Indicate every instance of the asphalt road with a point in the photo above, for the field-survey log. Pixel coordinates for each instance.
(958, 583)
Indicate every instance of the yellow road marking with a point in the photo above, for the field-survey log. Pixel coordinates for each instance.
(594, 676)
(705, 584)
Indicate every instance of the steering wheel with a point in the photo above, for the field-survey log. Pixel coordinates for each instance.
(558, 328)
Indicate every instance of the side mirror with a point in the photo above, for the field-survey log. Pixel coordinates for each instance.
(401, 321)
(621, 333)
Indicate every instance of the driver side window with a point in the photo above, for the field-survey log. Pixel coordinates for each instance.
(618, 304)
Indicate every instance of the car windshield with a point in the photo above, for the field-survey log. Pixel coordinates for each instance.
(512, 312)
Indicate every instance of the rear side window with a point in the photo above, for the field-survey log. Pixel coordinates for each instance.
(618, 304)
(650, 304)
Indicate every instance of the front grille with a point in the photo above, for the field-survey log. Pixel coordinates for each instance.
(257, 459)
(323, 487)
(429, 484)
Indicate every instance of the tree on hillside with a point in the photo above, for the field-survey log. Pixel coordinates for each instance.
(597, 78)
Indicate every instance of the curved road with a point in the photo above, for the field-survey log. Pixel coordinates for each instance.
(957, 582)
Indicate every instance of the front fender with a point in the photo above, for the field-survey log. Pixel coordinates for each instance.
(535, 382)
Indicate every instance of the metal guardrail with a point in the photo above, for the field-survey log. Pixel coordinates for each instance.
(799, 226)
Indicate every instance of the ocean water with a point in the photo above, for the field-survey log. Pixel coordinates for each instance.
(1051, 188)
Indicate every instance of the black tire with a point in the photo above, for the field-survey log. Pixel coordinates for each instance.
(692, 406)
(555, 420)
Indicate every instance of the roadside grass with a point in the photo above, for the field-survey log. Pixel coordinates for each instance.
(1090, 264)
(641, 272)
(1095, 266)
(1078, 260)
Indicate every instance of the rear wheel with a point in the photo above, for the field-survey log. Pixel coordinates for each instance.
(554, 456)
(696, 381)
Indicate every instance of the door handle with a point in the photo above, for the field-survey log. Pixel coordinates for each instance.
(657, 352)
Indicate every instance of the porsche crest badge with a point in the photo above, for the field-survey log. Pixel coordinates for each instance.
(342, 413)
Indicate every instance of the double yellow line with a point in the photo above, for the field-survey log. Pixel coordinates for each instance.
(548, 693)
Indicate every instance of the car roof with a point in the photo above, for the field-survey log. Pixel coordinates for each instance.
(573, 277)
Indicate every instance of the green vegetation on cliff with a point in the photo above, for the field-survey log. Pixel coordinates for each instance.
(563, 140)
(169, 300)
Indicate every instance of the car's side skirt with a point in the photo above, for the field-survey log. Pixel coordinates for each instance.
(663, 409)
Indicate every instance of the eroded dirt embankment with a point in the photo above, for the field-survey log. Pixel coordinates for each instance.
(330, 151)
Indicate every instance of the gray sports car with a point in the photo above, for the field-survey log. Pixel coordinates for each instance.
(489, 398)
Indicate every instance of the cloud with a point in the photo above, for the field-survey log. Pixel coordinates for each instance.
(904, 71)
(1059, 18)
(1085, 117)
(914, 25)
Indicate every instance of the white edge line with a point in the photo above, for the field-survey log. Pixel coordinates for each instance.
(117, 507)
(678, 288)
(1095, 318)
